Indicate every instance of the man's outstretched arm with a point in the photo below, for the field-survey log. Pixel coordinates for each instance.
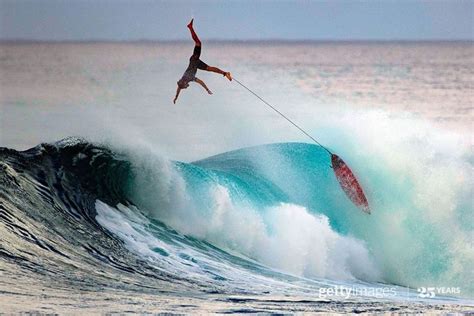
(203, 85)
(178, 90)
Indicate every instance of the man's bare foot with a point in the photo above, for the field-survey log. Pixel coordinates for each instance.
(209, 91)
(228, 76)
(190, 25)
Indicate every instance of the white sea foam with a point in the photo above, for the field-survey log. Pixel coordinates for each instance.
(285, 236)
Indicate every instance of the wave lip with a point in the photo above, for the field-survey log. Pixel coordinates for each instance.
(49, 234)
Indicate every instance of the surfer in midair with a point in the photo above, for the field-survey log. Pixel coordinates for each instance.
(194, 64)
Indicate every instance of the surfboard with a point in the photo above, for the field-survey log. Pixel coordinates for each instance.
(349, 183)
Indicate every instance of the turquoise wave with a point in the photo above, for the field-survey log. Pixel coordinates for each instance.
(403, 242)
(255, 218)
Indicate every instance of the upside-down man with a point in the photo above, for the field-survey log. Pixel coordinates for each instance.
(194, 64)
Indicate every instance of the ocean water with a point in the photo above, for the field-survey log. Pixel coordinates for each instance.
(113, 199)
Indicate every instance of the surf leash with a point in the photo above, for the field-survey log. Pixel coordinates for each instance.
(346, 178)
(282, 115)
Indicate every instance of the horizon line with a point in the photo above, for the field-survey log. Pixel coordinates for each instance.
(250, 41)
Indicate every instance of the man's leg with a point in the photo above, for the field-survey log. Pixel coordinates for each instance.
(196, 39)
(219, 71)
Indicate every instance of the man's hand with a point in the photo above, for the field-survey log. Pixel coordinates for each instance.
(178, 90)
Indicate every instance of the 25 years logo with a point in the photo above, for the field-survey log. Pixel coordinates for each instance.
(430, 292)
(426, 292)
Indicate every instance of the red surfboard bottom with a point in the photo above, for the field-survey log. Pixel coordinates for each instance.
(349, 183)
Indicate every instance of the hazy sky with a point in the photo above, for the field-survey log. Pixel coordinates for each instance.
(243, 19)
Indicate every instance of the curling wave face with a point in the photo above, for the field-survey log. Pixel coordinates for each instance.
(251, 220)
